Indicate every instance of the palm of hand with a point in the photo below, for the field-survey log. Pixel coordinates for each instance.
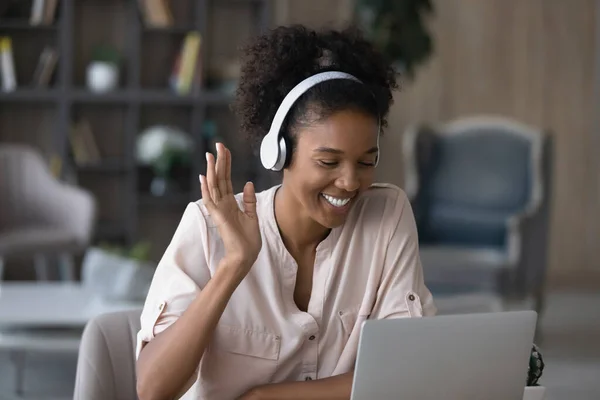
(239, 229)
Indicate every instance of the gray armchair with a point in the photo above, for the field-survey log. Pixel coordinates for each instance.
(41, 217)
(106, 359)
(480, 188)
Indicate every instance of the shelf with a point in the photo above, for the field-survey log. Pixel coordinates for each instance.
(127, 210)
(214, 97)
(171, 200)
(24, 25)
(116, 96)
(148, 96)
(29, 95)
(165, 96)
(151, 96)
(161, 96)
(253, 2)
(173, 30)
(106, 166)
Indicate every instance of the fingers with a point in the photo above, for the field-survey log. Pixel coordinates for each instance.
(222, 169)
(229, 181)
(211, 179)
(206, 197)
(249, 200)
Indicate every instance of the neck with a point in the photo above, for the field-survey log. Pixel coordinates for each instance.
(298, 231)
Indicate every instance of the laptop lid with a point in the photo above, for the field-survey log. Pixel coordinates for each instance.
(450, 357)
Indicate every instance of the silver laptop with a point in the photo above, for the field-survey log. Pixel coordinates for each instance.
(450, 357)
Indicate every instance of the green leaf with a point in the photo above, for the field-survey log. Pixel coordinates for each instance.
(398, 29)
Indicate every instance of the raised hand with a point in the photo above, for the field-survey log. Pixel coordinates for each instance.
(238, 228)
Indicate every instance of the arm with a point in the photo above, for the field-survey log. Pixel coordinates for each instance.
(402, 290)
(169, 361)
(333, 388)
(166, 365)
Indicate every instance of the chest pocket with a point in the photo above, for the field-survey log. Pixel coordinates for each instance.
(248, 355)
(351, 320)
(247, 342)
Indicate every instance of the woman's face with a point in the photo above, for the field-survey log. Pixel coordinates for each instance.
(332, 164)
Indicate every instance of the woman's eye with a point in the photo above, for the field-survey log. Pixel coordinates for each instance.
(328, 163)
(367, 164)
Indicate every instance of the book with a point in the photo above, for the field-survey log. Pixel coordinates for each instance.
(7, 65)
(189, 57)
(46, 67)
(78, 149)
(85, 130)
(49, 12)
(156, 13)
(83, 145)
(186, 74)
(37, 12)
(198, 79)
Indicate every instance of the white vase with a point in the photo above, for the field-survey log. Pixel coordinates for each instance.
(534, 393)
(102, 76)
(114, 277)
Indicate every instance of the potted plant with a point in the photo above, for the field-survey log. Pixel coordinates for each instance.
(398, 28)
(117, 272)
(533, 390)
(165, 149)
(102, 73)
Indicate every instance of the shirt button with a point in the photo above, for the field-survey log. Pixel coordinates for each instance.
(312, 337)
(161, 306)
(411, 297)
(308, 378)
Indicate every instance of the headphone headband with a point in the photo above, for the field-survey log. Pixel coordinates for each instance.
(273, 149)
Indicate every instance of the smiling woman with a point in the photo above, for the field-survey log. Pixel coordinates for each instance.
(332, 163)
(262, 295)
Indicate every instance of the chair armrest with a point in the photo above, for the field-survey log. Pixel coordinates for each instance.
(527, 238)
(528, 232)
(517, 226)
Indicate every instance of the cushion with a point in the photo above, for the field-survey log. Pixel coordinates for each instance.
(31, 240)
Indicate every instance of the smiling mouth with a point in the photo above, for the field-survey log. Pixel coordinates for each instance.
(336, 201)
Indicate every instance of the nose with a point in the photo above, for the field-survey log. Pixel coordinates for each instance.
(348, 180)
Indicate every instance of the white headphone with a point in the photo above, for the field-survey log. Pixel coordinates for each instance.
(273, 151)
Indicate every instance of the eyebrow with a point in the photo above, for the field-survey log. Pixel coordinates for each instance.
(338, 151)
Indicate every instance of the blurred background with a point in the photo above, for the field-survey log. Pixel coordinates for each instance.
(107, 106)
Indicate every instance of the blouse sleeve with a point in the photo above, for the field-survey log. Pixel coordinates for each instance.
(402, 291)
(180, 275)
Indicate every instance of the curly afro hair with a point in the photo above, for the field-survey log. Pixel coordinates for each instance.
(278, 60)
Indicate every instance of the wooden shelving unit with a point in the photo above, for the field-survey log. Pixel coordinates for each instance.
(128, 212)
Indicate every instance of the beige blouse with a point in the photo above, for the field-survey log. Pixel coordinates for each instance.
(368, 268)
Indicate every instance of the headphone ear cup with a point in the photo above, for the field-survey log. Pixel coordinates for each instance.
(280, 163)
(285, 151)
(269, 152)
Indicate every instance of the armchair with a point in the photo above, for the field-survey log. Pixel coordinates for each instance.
(106, 359)
(480, 189)
(40, 216)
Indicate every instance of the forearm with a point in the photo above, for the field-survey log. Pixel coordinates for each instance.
(166, 364)
(333, 388)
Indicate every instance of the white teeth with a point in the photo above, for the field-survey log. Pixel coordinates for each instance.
(334, 201)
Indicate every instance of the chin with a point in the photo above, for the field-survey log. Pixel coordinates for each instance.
(336, 223)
